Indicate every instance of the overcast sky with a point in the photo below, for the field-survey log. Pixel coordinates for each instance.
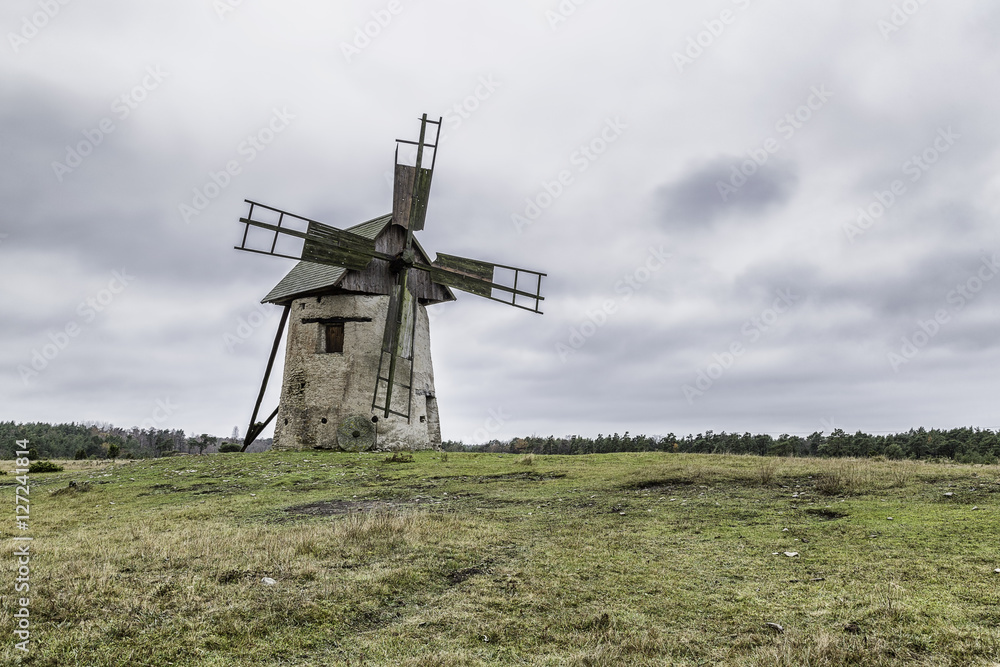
(754, 215)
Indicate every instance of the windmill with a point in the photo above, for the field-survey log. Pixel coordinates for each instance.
(358, 347)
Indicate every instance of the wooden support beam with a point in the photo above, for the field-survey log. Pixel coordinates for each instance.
(258, 429)
(252, 430)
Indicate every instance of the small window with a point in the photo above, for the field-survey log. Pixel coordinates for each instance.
(335, 338)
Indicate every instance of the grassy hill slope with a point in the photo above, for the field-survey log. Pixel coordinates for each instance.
(468, 559)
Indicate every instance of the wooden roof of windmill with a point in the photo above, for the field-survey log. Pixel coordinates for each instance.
(314, 279)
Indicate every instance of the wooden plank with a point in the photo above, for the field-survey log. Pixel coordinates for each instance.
(327, 245)
(251, 435)
(460, 281)
(319, 253)
(402, 195)
(409, 201)
(470, 267)
(421, 196)
(338, 237)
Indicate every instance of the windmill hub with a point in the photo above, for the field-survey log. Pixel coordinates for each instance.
(403, 261)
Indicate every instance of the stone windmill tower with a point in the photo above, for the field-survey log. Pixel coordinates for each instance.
(358, 371)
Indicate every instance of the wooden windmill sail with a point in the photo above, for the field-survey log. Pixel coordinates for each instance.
(381, 259)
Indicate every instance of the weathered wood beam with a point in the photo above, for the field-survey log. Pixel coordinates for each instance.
(251, 434)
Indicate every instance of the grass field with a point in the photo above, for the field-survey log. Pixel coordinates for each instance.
(483, 559)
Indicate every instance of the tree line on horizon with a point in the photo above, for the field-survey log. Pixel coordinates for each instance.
(103, 441)
(106, 441)
(962, 445)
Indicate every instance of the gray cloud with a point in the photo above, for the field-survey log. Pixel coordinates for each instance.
(710, 192)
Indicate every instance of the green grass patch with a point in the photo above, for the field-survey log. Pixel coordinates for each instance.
(485, 559)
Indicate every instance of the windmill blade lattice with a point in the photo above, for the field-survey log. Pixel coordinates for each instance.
(412, 183)
(481, 278)
(322, 243)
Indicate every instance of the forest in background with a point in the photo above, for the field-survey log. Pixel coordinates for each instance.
(963, 445)
(103, 441)
(100, 441)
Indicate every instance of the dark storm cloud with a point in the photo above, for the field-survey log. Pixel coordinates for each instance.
(719, 188)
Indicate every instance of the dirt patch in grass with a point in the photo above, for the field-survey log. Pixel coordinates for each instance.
(72, 489)
(619, 508)
(341, 507)
(398, 457)
(435, 482)
(466, 501)
(479, 501)
(504, 477)
(210, 488)
(202, 489)
(825, 513)
(458, 576)
(159, 489)
(664, 483)
(233, 576)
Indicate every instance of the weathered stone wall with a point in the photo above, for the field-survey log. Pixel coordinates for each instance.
(320, 389)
